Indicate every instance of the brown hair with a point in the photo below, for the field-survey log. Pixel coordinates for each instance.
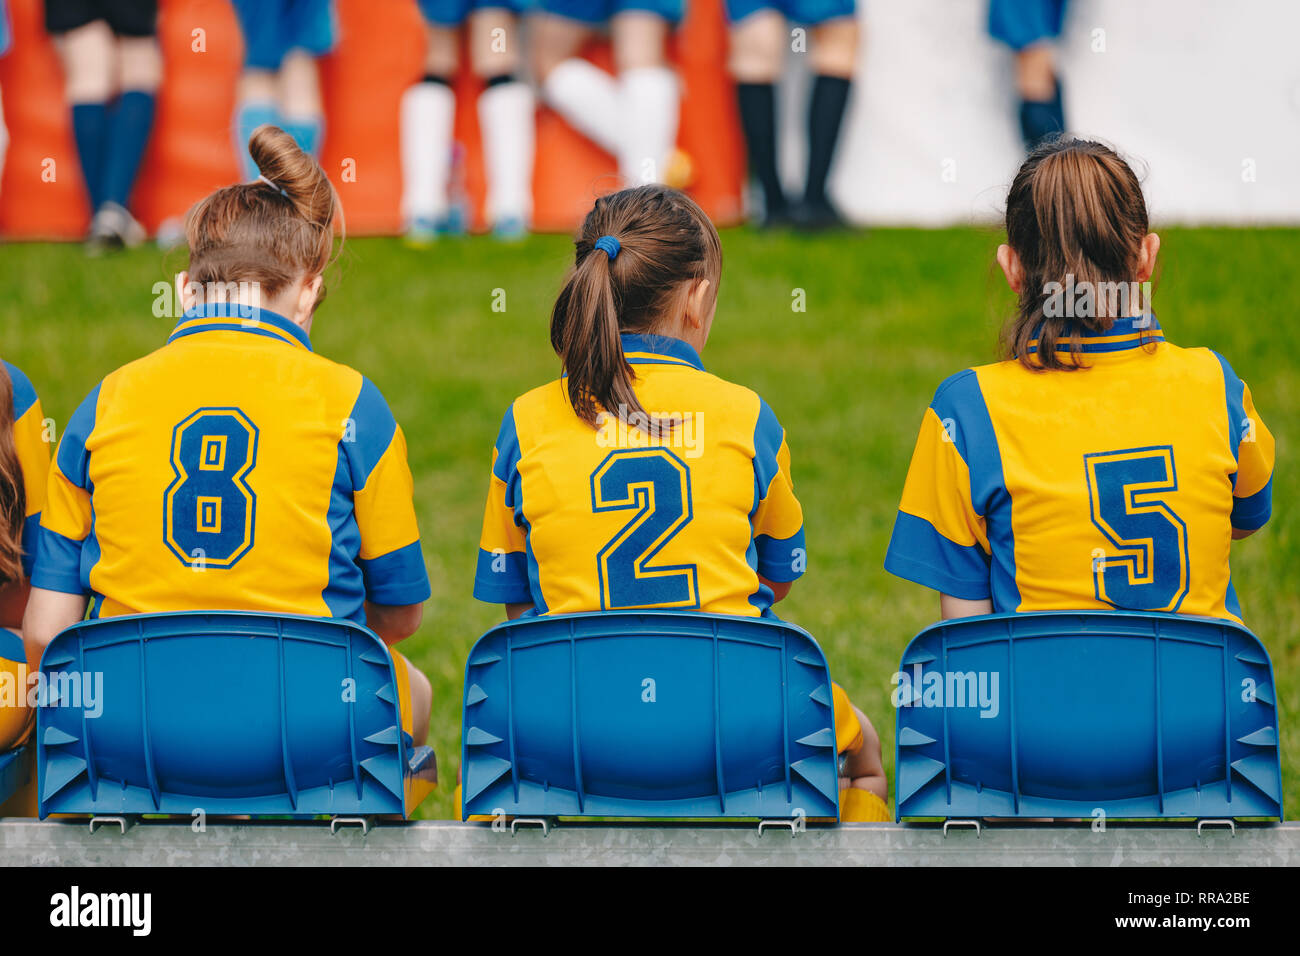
(1075, 209)
(269, 233)
(665, 242)
(13, 496)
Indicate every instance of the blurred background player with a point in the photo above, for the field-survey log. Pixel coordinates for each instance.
(760, 37)
(6, 39)
(1097, 465)
(234, 468)
(587, 450)
(112, 67)
(1030, 28)
(280, 84)
(506, 113)
(24, 468)
(632, 116)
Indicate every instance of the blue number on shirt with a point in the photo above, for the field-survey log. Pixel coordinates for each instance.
(209, 509)
(657, 485)
(1148, 571)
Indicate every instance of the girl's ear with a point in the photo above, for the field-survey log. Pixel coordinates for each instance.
(697, 303)
(1011, 267)
(186, 301)
(1147, 252)
(308, 293)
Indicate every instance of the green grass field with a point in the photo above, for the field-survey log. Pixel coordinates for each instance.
(890, 314)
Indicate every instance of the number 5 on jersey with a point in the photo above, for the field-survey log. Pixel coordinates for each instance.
(209, 510)
(1148, 571)
(657, 484)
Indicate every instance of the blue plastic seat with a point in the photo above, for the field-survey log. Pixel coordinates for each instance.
(652, 714)
(1137, 715)
(224, 712)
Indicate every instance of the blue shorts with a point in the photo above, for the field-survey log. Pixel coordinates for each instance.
(599, 11)
(274, 28)
(800, 11)
(6, 31)
(452, 13)
(1021, 23)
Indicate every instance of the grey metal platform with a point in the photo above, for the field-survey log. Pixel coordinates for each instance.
(445, 843)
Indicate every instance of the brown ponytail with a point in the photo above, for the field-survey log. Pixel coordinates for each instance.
(1075, 209)
(272, 231)
(13, 496)
(665, 243)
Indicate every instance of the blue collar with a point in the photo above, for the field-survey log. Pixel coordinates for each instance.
(1124, 334)
(234, 317)
(659, 350)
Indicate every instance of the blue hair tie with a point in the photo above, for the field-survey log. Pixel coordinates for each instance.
(609, 245)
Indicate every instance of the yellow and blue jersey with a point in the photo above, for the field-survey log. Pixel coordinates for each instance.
(583, 519)
(235, 469)
(1115, 486)
(33, 457)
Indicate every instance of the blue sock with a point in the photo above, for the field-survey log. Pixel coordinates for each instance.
(90, 126)
(128, 135)
(306, 133)
(250, 116)
(1040, 120)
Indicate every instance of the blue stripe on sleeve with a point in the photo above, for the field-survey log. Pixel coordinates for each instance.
(1252, 513)
(781, 559)
(919, 553)
(1234, 390)
(398, 577)
(24, 391)
(344, 593)
(507, 450)
(72, 458)
(58, 563)
(373, 427)
(768, 436)
(502, 578)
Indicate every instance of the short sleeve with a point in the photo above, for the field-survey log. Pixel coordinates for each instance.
(501, 575)
(66, 517)
(939, 539)
(778, 516)
(391, 560)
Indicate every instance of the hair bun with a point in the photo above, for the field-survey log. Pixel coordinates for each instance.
(294, 173)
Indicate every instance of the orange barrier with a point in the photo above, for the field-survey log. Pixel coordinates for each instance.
(380, 52)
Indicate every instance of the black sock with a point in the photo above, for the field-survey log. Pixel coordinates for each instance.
(501, 79)
(758, 118)
(825, 113)
(1040, 120)
(436, 78)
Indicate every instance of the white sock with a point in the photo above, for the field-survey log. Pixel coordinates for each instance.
(587, 97)
(506, 119)
(650, 101)
(428, 112)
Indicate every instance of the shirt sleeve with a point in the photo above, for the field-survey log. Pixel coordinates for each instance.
(1253, 447)
(66, 517)
(33, 459)
(390, 558)
(940, 540)
(778, 517)
(501, 576)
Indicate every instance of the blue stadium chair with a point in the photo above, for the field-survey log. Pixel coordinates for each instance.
(648, 714)
(1139, 715)
(15, 767)
(224, 712)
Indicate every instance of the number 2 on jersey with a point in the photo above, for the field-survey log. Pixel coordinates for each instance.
(1148, 571)
(657, 485)
(209, 509)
